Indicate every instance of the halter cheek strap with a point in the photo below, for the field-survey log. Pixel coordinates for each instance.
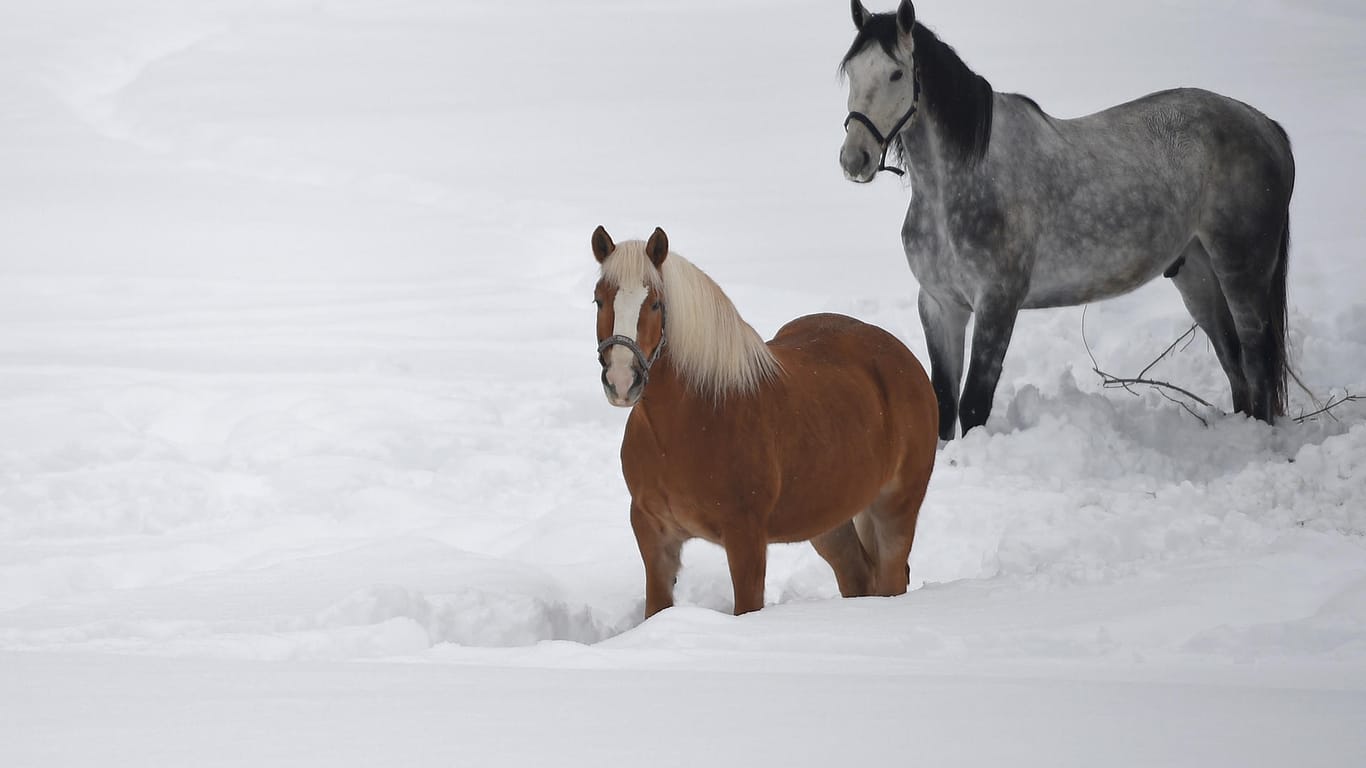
(885, 142)
(617, 340)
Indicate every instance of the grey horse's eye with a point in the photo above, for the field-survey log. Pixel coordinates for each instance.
(896, 75)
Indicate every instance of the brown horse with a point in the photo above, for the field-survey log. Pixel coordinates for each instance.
(827, 433)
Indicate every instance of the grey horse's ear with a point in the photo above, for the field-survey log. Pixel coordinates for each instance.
(657, 247)
(860, 14)
(602, 244)
(905, 17)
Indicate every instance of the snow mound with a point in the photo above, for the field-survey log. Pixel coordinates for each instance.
(1086, 486)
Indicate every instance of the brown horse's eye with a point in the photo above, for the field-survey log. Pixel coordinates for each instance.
(598, 303)
(896, 75)
(655, 306)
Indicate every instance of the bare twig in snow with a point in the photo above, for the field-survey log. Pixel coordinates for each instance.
(1333, 402)
(1189, 334)
(1186, 406)
(1110, 381)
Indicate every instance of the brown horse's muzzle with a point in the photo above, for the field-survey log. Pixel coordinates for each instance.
(623, 384)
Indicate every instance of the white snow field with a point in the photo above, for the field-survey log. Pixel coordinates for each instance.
(304, 459)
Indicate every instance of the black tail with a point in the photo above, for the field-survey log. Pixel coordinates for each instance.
(1277, 359)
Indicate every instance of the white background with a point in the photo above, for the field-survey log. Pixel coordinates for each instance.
(304, 459)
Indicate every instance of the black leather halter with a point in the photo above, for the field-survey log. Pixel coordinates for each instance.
(885, 142)
(617, 340)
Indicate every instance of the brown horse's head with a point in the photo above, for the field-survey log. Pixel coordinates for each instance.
(631, 315)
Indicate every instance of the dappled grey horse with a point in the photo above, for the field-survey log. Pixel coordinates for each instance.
(1013, 209)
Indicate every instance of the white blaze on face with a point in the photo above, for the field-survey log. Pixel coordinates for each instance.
(863, 73)
(626, 315)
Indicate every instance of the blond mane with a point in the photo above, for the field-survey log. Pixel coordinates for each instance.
(715, 351)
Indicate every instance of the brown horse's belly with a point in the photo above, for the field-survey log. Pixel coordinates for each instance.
(801, 516)
(802, 494)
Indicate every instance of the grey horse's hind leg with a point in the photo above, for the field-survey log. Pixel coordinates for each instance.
(995, 321)
(1246, 267)
(945, 323)
(1204, 299)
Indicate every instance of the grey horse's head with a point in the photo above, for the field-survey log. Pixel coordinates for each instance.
(880, 68)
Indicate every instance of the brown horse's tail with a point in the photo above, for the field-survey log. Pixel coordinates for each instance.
(1277, 357)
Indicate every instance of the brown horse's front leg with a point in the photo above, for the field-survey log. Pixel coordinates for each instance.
(660, 546)
(747, 555)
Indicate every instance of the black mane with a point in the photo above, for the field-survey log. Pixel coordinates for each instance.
(959, 99)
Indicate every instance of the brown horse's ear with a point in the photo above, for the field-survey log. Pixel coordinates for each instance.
(905, 17)
(860, 14)
(602, 244)
(657, 247)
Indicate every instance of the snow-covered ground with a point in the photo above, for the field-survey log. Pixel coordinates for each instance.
(303, 457)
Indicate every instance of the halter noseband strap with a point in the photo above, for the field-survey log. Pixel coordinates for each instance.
(885, 142)
(630, 344)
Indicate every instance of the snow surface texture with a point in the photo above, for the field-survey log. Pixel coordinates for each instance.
(296, 367)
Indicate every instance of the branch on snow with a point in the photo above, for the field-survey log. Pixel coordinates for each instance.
(1110, 381)
(1334, 401)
